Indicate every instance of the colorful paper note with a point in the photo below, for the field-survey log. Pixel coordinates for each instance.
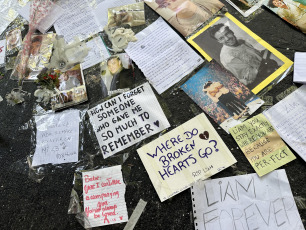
(245, 202)
(261, 144)
(127, 119)
(103, 192)
(57, 138)
(288, 119)
(190, 152)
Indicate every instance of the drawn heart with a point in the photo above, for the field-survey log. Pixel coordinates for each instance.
(121, 217)
(204, 135)
(156, 123)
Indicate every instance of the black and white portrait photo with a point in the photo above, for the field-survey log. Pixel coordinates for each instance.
(238, 52)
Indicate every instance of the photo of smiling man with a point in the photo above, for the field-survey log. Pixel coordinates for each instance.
(237, 51)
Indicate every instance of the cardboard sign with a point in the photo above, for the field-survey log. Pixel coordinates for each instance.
(245, 202)
(103, 192)
(184, 155)
(127, 119)
(261, 144)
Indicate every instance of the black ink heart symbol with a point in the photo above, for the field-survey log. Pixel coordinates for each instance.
(204, 135)
(156, 123)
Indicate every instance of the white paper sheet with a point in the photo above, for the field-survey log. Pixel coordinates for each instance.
(8, 12)
(162, 55)
(127, 119)
(97, 53)
(48, 21)
(299, 72)
(103, 192)
(246, 202)
(57, 138)
(78, 20)
(288, 119)
(2, 51)
(102, 8)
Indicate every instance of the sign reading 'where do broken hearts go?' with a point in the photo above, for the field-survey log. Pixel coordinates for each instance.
(190, 152)
(127, 119)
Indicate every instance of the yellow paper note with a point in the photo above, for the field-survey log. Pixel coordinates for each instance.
(261, 144)
(190, 152)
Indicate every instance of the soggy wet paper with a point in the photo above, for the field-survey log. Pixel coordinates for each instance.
(261, 144)
(127, 119)
(288, 119)
(184, 155)
(162, 55)
(103, 192)
(96, 54)
(246, 202)
(78, 20)
(57, 138)
(2, 51)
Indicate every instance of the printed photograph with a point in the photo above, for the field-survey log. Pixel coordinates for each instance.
(246, 7)
(185, 15)
(221, 95)
(241, 52)
(40, 53)
(117, 75)
(13, 39)
(292, 11)
(132, 15)
(71, 88)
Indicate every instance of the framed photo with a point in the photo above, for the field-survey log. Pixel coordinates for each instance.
(246, 7)
(249, 58)
(71, 89)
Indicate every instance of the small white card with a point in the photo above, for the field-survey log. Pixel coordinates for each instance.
(57, 138)
(127, 119)
(104, 201)
(245, 202)
(299, 72)
(96, 54)
(2, 51)
(162, 55)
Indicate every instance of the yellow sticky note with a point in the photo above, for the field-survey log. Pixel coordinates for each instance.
(188, 153)
(261, 144)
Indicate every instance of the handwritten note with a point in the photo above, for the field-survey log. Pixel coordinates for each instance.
(127, 119)
(57, 138)
(97, 53)
(78, 20)
(101, 11)
(162, 55)
(245, 202)
(288, 119)
(46, 23)
(103, 192)
(184, 155)
(2, 51)
(299, 67)
(261, 144)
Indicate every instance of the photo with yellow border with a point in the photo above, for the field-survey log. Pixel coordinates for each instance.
(287, 63)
